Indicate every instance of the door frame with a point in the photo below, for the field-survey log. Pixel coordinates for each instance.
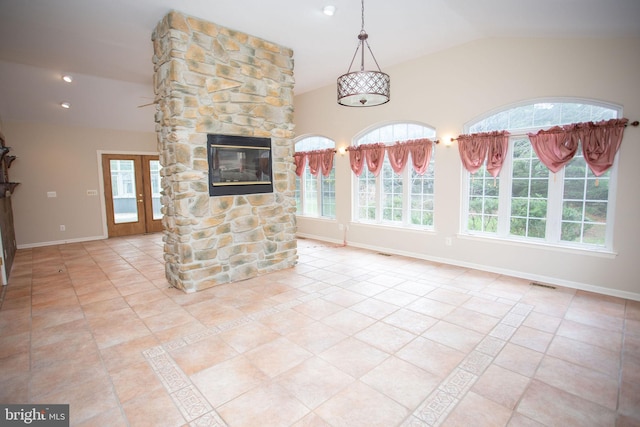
(103, 203)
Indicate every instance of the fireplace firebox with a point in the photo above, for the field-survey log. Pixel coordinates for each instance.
(239, 165)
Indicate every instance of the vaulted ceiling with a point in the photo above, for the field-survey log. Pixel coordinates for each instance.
(106, 44)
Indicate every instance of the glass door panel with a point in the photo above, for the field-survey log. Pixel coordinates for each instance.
(123, 191)
(154, 179)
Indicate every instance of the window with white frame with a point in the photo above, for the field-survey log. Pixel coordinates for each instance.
(315, 195)
(527, 202)
(123, 178)
(404, 199)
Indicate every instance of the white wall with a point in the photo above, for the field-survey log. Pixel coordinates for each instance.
(447, 89)
(63, 159)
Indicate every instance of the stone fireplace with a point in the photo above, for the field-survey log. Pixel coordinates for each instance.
(210, 80)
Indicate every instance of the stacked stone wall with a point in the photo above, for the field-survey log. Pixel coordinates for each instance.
(212, 80)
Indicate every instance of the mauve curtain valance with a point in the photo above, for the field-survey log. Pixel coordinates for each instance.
(319, 161)
(373, 156)
(477, 147)
(556, 147)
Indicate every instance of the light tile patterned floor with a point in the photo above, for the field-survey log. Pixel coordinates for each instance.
(348, 337)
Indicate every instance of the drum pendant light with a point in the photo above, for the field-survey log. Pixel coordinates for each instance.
(363, 88)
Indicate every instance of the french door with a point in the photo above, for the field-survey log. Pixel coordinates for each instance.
(132, 194)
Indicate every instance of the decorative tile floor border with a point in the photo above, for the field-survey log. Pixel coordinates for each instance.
(193, 406)
(431, 413)
(187, 398)
(439, 404)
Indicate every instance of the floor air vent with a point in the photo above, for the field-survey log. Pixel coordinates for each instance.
(540, 285)
(383, 254)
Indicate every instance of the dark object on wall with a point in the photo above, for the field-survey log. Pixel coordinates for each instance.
(239, 165)
(7, 230)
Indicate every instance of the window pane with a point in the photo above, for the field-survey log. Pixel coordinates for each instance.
(491, 223)
(574, 189)
(519, 207)
(315, 195)
(585, 202)
(594, 234)
(595, 212)
(536, 228)
(529, 189)
(578, 214)
(487, 188)
(391, 194)
(154, 167)
(123, 179)
(298, 195)
(422, 196)
(491, 206)
(518, 227)
(328, 199)
(310, 194)
(520, 188)
(476, 205)
(539, 188)
(403, 199)
(598, 189)
(367, 196)
(572, 211)
(475, 222)
(538, 208)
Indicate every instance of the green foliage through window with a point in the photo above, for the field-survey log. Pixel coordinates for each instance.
(570, 207)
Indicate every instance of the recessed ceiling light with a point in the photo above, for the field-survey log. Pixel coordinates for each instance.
(67, 78)
(65, 104)
(329, 10)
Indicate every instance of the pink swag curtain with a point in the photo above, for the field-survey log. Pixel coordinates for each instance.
(420, 150)
(326, 160)
(476, 147)
(356, 159)
(398, 156)
(313, 159)
(300, 159)
(371, 154)
(319, 160)
(556, 146)
(600, 143)
(375, 157)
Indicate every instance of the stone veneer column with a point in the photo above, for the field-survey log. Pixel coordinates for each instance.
(210, 79)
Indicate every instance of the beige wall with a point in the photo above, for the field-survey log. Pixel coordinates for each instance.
(65, 160)
(447, 89)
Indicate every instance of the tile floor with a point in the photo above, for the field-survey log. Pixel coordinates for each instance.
(348, 337)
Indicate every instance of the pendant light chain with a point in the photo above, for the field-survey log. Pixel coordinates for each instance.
(363, 88)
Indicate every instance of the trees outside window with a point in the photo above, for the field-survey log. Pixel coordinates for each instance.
(404, 199)
(315, 195)
(527, 201)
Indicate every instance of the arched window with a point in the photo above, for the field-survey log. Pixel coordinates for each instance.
(315, 195)
(528, 202)
(404, 199)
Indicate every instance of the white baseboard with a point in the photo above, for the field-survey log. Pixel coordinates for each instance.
(61, 242)
(513, 273)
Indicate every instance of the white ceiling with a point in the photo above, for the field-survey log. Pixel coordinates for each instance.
(106, 44)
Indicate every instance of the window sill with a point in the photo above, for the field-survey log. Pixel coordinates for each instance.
(394, 226)
(597, 252)
(322, 218)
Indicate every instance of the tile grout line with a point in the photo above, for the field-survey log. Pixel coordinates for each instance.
(433, 411)
(440, 403)
(193, 406)
(190, 402)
